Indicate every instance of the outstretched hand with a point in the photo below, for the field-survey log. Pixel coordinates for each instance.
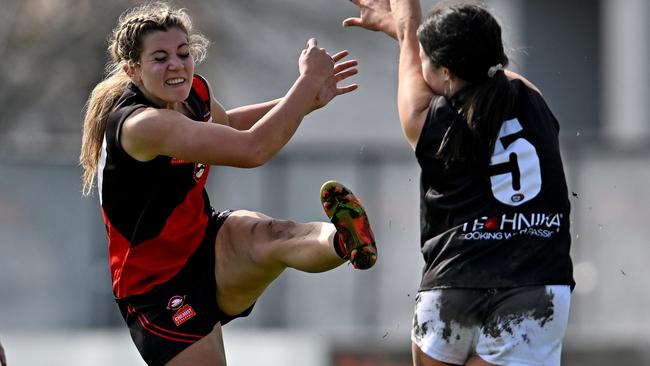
(374, 15)
(330, 88)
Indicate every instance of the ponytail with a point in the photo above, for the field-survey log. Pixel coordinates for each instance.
(482, 107)
(466, 39)
(125, 45)
(101, 101)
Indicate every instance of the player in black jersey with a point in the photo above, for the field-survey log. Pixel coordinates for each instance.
(151, 131)
(495, 235)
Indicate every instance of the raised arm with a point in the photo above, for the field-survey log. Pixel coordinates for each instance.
(151, 132)
(413, 93)
(400, 19)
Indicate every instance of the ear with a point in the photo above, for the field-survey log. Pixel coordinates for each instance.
(132, 71)
(447, 74)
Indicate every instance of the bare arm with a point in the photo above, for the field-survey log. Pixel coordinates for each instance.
(400, 20)
(413, 93)
(243, 118)
(151, 132)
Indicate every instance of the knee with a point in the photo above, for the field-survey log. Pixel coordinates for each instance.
(255, 227)
(276, 229)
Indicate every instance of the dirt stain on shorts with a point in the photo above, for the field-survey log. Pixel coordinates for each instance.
(494, 310)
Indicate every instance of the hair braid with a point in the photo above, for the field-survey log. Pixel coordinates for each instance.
(125, 46)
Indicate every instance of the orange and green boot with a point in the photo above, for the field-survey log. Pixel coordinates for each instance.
(355, 241)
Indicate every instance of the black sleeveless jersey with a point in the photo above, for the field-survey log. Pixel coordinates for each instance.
(499, 224)
(155, 212)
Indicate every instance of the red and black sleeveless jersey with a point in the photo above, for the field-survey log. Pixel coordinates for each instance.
(156, 212)
(503, 222)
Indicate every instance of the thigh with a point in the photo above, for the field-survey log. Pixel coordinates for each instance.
(526, 326)
(244, 263)
(174, 315)
(208, 351)
(446, 325)
(253, 249)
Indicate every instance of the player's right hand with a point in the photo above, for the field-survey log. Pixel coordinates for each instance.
(315, 63)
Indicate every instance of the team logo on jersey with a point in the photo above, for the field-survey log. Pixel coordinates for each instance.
(504, 227)
(183, 314)
(175, 302)
(175, 161)
(199, 169)
(492, 224)
(517, 197)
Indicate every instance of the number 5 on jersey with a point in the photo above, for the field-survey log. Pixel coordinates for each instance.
(515, 172)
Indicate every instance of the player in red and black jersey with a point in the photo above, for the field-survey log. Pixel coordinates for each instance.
(497, 279)
(151, 132)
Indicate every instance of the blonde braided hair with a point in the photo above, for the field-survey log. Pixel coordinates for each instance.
(125, 46)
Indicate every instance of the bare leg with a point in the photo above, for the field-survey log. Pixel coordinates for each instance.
(253, 249)
(208, 351)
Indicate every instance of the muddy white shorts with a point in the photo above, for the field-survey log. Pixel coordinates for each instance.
(519, 326)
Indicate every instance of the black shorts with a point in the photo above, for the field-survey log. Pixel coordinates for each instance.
(173, 315)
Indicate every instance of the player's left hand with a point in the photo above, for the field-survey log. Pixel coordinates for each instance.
(374, 15)
(330, 87)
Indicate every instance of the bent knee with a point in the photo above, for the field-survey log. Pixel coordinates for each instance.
(276, 229)
(244, 244)
(248, 229)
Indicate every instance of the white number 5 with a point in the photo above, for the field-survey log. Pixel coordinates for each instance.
(515, 174)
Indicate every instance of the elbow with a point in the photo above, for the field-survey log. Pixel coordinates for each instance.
(256, 161)
(261, 149)
(257, 157)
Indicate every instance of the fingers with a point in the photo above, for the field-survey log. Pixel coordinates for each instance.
(339, 55)
(345, 65)
(344, 69)
(311, 43)
(345, 74)
(346, 89)
(352, 22)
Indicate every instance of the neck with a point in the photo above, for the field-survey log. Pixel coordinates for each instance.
(456, 84)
